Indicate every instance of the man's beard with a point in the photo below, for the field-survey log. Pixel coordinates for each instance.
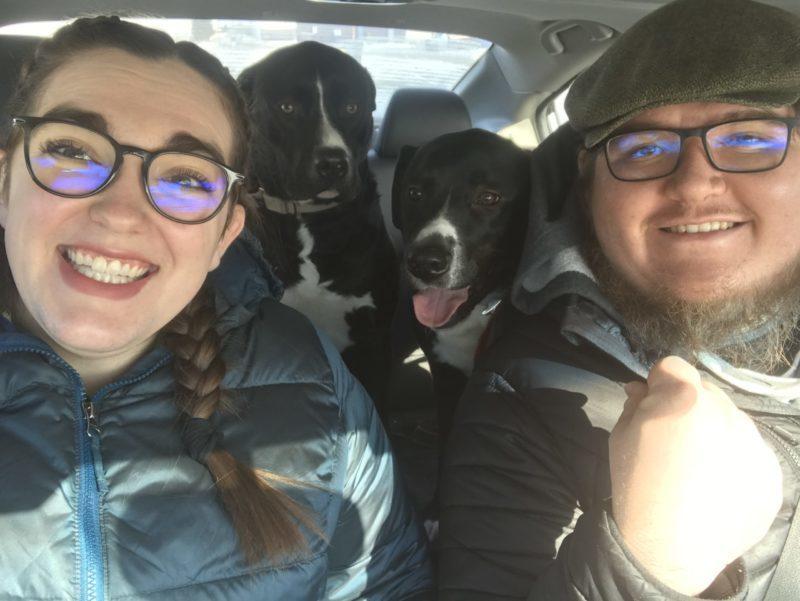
(756, 330)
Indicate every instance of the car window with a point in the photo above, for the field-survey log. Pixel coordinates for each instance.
(396, 58)
(552, 114)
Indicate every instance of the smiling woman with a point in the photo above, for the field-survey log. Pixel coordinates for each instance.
(121, 192)
(62, 156)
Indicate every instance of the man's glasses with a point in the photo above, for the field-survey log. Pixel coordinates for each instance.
(744, 146)
(73, 161)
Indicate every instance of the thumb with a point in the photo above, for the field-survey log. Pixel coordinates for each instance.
(635, 389)
(636, 392)
(672, 370)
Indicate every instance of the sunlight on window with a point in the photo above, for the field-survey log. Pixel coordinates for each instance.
(522, 133)
(555, 114)
(396, 58)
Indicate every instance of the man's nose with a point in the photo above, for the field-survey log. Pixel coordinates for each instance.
(695, 178)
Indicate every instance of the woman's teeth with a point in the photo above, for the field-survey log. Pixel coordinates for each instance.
(102, 269)
(697, 228)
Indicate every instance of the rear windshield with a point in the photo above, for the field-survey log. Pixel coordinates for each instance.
(396, 58)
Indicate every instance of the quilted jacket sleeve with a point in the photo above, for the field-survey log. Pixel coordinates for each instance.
(378, 551)
(523, 515)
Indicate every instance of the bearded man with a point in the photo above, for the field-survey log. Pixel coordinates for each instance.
(632, 428)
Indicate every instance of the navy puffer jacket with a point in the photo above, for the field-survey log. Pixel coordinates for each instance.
(122, 512)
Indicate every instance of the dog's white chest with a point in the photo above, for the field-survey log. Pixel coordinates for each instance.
(456, 345)
(325, 308)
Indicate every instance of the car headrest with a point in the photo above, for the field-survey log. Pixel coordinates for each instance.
(14, 49)
(418, 115)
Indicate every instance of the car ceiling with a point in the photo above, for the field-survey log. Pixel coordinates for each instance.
(514, 26)
(496, 20)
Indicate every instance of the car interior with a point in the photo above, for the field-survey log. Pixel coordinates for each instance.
(507, 63)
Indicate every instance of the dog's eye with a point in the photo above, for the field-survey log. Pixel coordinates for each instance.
(487, 198)
(287, 107)
(351, 108)
(415, 194)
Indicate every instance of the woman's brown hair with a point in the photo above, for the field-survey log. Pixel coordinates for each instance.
(266, 520)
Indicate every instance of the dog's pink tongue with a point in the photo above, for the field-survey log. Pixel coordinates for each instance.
(435, 306)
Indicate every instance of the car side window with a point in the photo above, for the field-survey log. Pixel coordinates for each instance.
(552, 114)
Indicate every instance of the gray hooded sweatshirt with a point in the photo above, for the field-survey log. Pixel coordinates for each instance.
(526, 485)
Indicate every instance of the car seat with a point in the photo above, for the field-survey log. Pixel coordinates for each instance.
(413, 117)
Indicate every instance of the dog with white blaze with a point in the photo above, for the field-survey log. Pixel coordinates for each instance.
(461, 204)
(311, 107)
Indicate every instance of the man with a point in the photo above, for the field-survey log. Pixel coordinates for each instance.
(630, 431)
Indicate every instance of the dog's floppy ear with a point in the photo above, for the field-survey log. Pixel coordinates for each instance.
(371, 91)
(245, 82)
(406, 154)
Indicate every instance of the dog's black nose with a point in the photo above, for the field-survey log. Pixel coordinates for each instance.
(429, 262)
(331, 164)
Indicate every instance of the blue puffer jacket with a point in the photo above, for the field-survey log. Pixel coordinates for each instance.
(124, 513)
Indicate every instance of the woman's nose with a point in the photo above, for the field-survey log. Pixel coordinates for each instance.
(122, 205)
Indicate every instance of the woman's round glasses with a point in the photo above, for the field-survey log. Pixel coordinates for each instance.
(73, 161)
(742, 146)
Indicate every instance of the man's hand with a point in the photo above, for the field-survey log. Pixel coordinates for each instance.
(694, 485)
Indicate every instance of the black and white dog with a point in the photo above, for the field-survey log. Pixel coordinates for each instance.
(461, 203)
(311, 107)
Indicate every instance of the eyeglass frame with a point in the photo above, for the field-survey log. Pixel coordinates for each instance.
(701, 132)
(27, 124)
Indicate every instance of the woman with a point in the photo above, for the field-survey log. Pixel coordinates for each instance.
(156, 442)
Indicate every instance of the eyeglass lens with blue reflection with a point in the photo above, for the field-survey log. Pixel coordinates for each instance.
(742, 146)
(73, 161)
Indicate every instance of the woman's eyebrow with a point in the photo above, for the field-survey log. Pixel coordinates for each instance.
(180, 142)
(88, 119)
(186, 142)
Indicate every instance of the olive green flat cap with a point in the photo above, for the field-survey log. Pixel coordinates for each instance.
(733, 51)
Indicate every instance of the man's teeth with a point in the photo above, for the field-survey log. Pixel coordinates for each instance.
(696, 228)
(101, 269)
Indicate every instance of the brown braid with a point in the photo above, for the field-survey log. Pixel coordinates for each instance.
(258, 510)
(267, 521)
(199, 369)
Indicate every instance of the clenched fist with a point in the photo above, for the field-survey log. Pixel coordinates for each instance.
(694, 485)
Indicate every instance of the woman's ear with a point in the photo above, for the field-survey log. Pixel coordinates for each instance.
(232, 230)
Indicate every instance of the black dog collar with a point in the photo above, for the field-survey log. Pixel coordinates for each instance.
(292, 207)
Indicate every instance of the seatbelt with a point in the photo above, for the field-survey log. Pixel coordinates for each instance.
(785, 584)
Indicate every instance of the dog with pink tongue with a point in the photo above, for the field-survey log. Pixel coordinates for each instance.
(434, 307)
(461, 203)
